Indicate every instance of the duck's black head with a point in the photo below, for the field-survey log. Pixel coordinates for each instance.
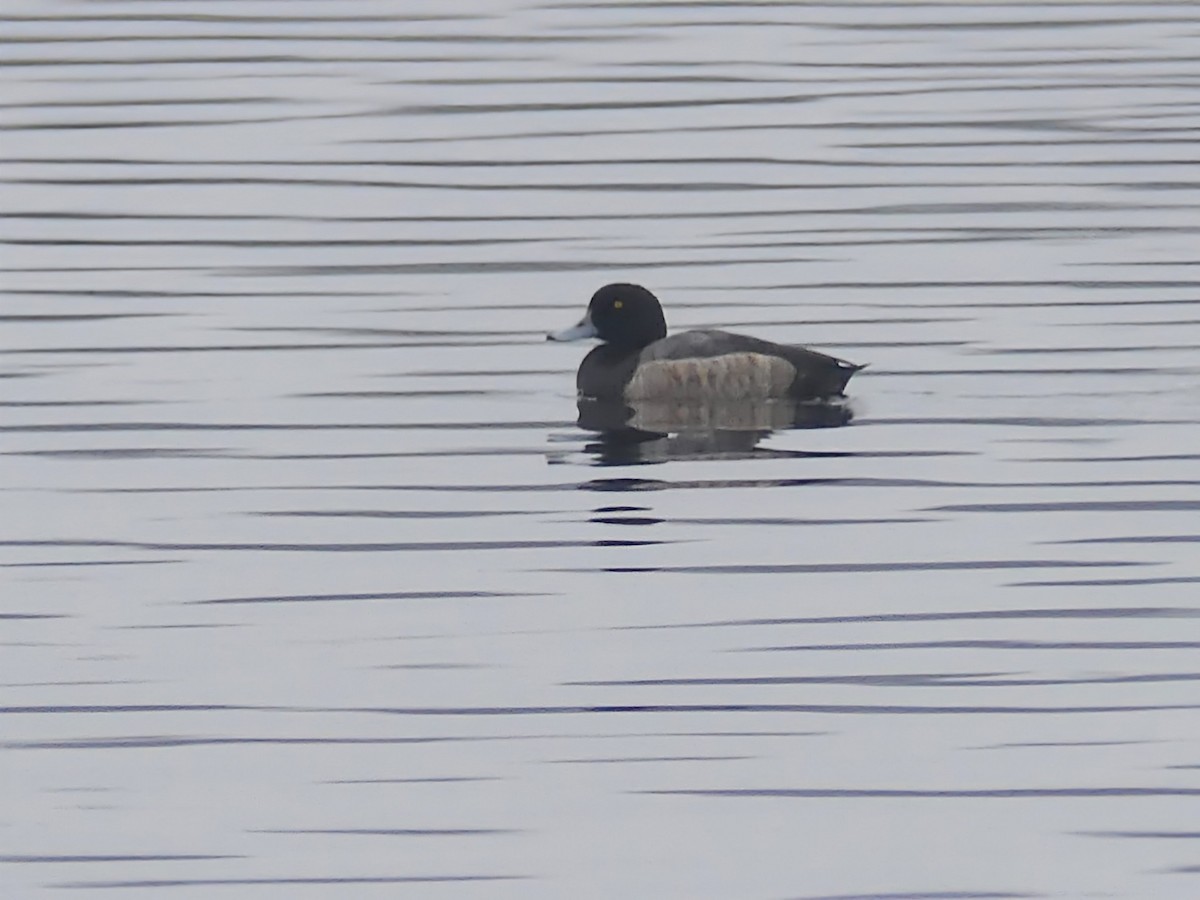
(628, 315)
(625, 315)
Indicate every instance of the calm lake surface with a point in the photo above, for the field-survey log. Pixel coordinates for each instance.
(314, 586)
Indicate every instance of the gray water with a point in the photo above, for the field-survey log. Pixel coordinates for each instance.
(313, 586)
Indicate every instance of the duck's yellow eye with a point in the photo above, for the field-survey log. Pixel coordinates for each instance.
(617, 304)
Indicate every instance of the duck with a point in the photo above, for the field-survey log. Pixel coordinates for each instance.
(638, 361)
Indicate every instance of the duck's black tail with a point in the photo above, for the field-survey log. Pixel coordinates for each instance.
(841, 374)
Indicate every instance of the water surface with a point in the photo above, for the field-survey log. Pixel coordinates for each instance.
(315, 583)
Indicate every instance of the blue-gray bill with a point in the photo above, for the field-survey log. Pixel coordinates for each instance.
(577, 332)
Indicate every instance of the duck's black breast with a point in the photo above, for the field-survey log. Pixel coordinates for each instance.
(605, 372)
(711, 365)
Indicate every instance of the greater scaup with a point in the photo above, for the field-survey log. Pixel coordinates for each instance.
(637, 361)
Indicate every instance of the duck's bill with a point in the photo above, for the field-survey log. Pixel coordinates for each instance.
(585, 329)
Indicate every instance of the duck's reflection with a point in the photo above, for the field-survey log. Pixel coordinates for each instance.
(633, 432)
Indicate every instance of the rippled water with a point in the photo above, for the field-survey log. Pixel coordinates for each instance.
(315, 586)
